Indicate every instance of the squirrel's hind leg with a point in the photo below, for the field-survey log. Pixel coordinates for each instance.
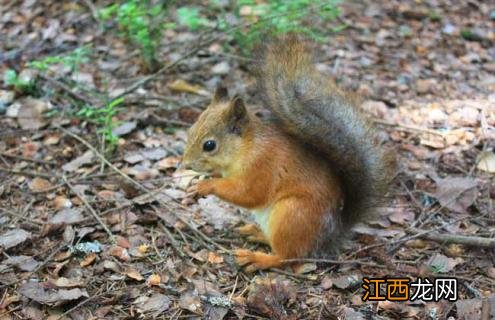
(256, 260)
(253, 233)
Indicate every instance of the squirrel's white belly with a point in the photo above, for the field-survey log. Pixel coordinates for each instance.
(262, 218)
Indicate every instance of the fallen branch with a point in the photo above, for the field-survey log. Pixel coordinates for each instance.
(472, 241)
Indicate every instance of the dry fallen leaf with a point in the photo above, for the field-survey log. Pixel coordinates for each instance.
(88, 259)
(182, 86)
(442, 264)
(86, 158)
(154, 305)
(168, 162)
(39, 185)
(190, 301)
(24, 263)
(120, 253)
(63, 282)
(153, 280)
(134, 274)
(13, 237)
(67, 216)
(30, 114)
(124, 128)
(486, 162)
(469, 309)
(41, 293)
(456, 193)
(346, 281)
(271, 297)
(214, 258)
(143, 248)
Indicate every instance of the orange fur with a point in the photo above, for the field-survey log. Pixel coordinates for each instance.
(280, 174)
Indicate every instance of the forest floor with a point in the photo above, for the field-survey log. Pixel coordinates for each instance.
(92, 229)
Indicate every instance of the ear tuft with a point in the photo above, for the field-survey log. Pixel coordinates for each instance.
(221, 94)
(238, 116)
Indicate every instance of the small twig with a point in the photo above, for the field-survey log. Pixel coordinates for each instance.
(292, 274)
(173, 242)
(66, 88)
(90, 208)
(8, 155)
(330, 261)
(472, 241)
(408, 128)
(28, 173)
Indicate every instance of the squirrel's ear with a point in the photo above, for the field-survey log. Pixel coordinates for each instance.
(221, 95)
(237, 115)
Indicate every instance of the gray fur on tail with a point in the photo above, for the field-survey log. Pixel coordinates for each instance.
(315, 111)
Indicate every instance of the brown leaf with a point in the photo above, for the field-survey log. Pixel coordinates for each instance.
(156, 304)
(134, 274)
(120, 253)
(326, 283)
(63, 282)
(85, 158)
(153, 280)
(346, 281)
(486, 162)
(218, 213)
(183, 86)
(214, 258)
(40, 293)
(168, 162)
(469, 309)
(61, 202)
(190, 301)
(13, 237)
(24, 263)
(271, 297)
(88, 259)
(124, 128)
(30, 113)
(67, 216)
(304, 268)
(442, 264)
(39, 185)
(456, 193)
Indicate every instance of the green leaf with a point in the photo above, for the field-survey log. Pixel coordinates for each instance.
(189, 17)
(10, 77)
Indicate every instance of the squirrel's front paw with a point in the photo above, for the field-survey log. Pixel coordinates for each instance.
(191, 194)
(200, 188)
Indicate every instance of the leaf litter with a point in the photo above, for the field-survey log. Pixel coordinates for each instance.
(164, 258)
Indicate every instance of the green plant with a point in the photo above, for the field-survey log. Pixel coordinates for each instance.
(273, 17)
(11, 78)
(141, 23)
(71, 60)
(190, 17)
(103, 117)
(279, 17)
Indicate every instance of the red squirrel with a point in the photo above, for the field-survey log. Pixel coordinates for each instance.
(308, 175)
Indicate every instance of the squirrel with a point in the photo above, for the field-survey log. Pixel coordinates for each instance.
(308, 174)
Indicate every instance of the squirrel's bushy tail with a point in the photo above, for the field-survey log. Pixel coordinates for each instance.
(311, 108)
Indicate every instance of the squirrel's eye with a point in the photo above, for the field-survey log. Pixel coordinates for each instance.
(209, 145)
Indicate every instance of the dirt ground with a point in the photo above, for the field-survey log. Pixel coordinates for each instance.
(88, 233)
